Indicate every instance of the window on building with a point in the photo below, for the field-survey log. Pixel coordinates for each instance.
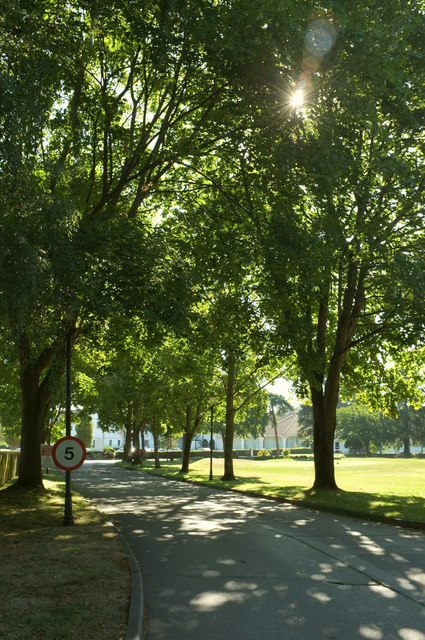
(110, 443)
(119, 443)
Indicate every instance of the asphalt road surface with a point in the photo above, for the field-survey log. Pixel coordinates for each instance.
(222, 566)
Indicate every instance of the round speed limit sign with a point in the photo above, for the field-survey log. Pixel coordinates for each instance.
(69, 453)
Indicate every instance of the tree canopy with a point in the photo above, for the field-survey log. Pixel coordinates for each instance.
(209, 191)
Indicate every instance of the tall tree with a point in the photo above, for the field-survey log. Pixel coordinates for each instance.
(184, 371)
(331, 192)
(357, 423)
(345, 190)
(419, 427)
(100, 104)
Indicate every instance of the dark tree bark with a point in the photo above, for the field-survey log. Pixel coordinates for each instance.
(404, 417)
(187, 441)
(33, 405)
(325, 401)
(324, 385)
(155, 433)
(142, 437)
(274, 421)
(190, 428)
(128, 434)
(406, 447)
(35, 384)
(136, 436)
(136, 456)
(324, 414)
(230, 418)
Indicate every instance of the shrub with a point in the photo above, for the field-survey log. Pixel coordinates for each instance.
(355, 444)
(94, 455)
(263, 453)
(298, 450)
(285, 453)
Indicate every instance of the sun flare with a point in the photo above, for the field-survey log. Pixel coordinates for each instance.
(297, 99)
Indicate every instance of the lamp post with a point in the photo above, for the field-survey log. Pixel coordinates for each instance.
(212, 403)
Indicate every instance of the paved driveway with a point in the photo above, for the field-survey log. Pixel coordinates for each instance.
(222, 566)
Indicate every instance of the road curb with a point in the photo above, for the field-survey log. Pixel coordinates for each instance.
(135, 620)
(135, 613)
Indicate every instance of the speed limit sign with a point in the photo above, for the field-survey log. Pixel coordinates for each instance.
(69, 453)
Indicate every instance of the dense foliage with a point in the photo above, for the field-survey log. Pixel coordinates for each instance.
(203, 195)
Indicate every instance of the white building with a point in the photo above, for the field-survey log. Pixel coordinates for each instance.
(287, 431)
(115, 439)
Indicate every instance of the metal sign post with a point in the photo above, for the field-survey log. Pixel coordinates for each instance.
(68, 454)
(68, 517)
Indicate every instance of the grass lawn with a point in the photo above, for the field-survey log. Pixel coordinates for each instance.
(384, 487)
(60, 582)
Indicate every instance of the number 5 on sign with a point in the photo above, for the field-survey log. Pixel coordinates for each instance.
(69, 453)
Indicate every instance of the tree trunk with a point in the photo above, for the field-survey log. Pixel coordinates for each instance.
(274, 421)
(189, 434)
(187, 443)
(136, 437)
(35, 394)
(406, 446)
(33, 410)
(230, 419)
(136, 456)
(187, 440)
(142, 437)
(324, 413)
(325, 402)
(128, 434)
(405, 418)
(155, 433)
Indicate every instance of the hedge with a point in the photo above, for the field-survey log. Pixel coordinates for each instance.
(292, 452)
(205, 453)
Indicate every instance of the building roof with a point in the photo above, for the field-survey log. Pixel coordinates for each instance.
(287, 425)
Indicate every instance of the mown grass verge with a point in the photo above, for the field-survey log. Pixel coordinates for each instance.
(60, 583)
(384, 488)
